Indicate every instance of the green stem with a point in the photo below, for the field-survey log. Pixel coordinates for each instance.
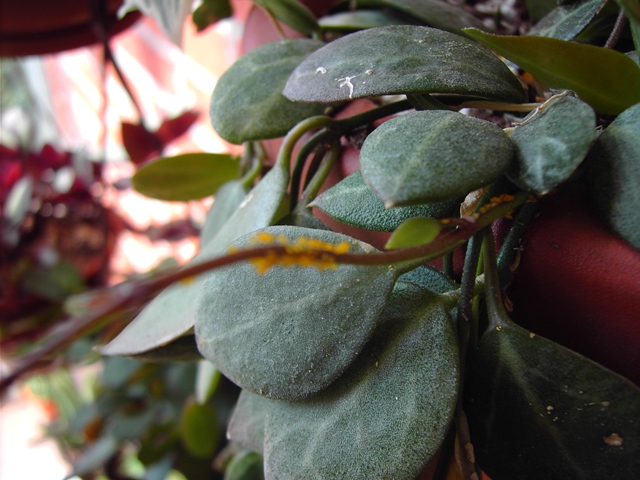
(289, 142)
(303, 154)
(253, 172)
(466, 320)
(495, 307)
(499, 106)
(351, 123)
(321, 175)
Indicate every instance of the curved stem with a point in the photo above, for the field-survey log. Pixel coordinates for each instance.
(290, 140)
(321, 175)
(305, 151)
(495, 307)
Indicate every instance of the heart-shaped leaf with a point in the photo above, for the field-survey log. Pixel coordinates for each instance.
(436, 13)
(401, 59)
(247, 103)
(246, 426)
(539, 410)
(388, 414)
(292, 13)
(414, 232)
(550, 144)
(352, 202)
(291, 332)
(433, 156)
(185, 177)
(567, 21)
(172, 313)
(607, 80)
(614, 175)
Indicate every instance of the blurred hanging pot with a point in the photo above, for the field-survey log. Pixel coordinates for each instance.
(37, 27)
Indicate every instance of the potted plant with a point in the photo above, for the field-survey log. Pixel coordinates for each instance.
(516, 176)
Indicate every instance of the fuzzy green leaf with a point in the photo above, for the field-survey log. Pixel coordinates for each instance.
(607, 80)
(433, 156)
(613, 174)
(172, 313)
(185, 177)
(245, 465)
(246, 426)
(292, 331)
(401, 60)
(539, 410)
(352, 202)
(227, 200)
(567, 21)
(292, 13)
(550, 144)
(247, 103)
(388, 414)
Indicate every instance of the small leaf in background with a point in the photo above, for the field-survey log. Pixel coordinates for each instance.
(567, 21)
(207, 380)
(245, 465)
(209, 12)
(15, 210)
(606, 79)
(539, 410)
(433, 156)
(94, 456)
(141, 144)
(387, 415)
(169, 15)
(292, 13)
(550, 144)
(539, 8)
(430, 278)
(401, 60)
(171, 313)
(352, 202)
(435, 13)
(199, 429)
(175, 127)
(246, 426)
(414, 232)
(247, 103)
(363, 19)
(613, 175)
(291, 332)
(190, 176)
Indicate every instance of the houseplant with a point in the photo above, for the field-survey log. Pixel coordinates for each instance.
(357, 362)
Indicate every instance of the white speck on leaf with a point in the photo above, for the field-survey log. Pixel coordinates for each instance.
(346, 82)
(321, 70)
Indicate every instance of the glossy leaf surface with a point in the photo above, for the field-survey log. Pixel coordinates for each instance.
(401, 59)
(433, 156)
(172, 313)
(550, 144)
(247, 103)
(292, 13)
(607, 80)
(539, 410)
(352, 202)
(438, 14)
(185, 177)
(414, 232)
(614, 175)
(567, 21)
(292, 331)
(387, 415)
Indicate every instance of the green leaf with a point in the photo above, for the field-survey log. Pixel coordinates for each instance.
(567, 21)
(401, 60)
(433, 156)
(172, 313)
(185, 177)
(613, 174)
(436, 13)
(227, 200)
(292, 13)
(169, 15)
(361, 19)
(539, 8)
(606, 79)
(210, 12)
(352, 202)
(245, 465)
(207, 380)
(182, 349)
(199, 429)
(631, 9)
(414, 232)
(291, 332)
(539, 410)
(550, 144)
(94, 456)
(246, 426)
(388, 414)
(430, 278)
(247, 103)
